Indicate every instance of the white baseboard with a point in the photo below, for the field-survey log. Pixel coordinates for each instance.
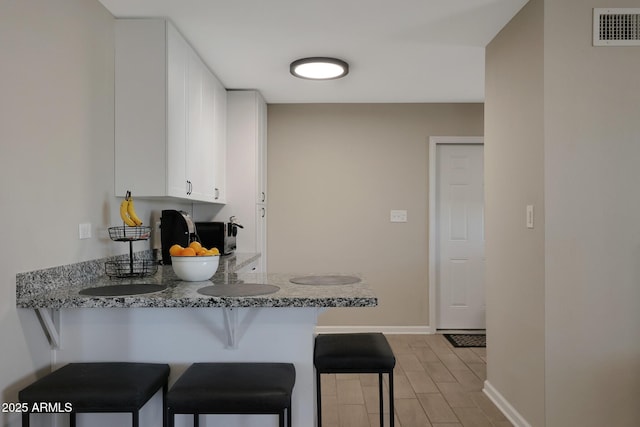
(384, 329)
(504, 406)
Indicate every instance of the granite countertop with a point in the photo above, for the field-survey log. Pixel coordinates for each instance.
(59, 287)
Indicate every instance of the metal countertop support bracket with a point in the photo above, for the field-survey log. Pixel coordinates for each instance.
(231, 324)
(235, 327)
(50, 321)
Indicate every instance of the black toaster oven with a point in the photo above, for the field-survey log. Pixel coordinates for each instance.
(221, 235)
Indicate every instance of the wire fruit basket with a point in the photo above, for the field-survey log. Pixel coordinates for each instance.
(131, 267)
(126, 233)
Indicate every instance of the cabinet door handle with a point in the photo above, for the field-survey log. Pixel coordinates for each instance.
(189, 188)
(264, 212)
(216, 194)
(264, 196)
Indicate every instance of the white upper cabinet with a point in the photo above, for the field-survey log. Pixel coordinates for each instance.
(170, 114)
(247, 146)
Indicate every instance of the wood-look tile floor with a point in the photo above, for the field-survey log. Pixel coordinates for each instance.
(435, 385)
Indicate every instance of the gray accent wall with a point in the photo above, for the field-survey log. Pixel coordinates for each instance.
(563, 133)
(335, 171)
(514, 178)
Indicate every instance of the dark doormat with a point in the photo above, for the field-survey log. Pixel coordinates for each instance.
(467, 340)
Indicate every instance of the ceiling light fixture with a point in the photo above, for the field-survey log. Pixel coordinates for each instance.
(319, 68)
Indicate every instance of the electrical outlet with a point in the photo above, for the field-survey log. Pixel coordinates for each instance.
(84, 230)
(398, 216)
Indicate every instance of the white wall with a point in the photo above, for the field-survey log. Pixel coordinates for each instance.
(56, 157)
(585, 290)
(56, 161)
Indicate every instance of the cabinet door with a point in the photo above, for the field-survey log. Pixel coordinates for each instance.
(206, 133)
(261, 236)
(219, 141)
(209, 126)
(197, 150)
(140, 107)
(177, 56)
(261, 149)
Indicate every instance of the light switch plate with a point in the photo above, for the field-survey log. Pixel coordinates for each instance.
(529, 216)
(398, 216)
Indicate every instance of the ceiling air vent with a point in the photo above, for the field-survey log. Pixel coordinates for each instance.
(616, 27)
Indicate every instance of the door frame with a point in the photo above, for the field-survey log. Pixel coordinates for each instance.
(433, 143)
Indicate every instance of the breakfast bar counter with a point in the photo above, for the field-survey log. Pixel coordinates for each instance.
(180, 325)
(57, 289)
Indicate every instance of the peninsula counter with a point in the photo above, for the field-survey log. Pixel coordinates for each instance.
(181, 326)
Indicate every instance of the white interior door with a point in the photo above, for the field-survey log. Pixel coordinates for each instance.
(460, 236)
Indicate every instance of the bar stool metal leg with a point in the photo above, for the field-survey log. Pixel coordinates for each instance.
(391, 413)
(381, 400)
(318, 400)
(165, 388)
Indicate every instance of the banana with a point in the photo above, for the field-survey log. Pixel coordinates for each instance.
(124, 207)
(132, 212)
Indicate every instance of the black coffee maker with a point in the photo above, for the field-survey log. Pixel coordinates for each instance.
(176, 227)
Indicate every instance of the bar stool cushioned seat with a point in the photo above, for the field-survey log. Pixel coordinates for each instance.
(99, 387)
(233, 388)
(354, 353)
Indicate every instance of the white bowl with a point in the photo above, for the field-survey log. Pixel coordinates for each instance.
(195, 268)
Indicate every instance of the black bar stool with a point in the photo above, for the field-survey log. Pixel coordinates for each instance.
(365, 353)
(98, 387)
(233, 388)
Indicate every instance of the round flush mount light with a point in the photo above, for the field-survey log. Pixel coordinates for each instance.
(319, 68)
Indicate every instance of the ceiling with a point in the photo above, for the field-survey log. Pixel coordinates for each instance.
(398, 51)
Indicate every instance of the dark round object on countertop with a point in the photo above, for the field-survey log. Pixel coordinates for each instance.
(238, 290)
(326, 279)
(122, 290)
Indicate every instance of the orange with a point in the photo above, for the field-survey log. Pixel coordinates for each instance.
(188, 252)
(195, 246)
(214, 251)
(175, 250)
(201, 251)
